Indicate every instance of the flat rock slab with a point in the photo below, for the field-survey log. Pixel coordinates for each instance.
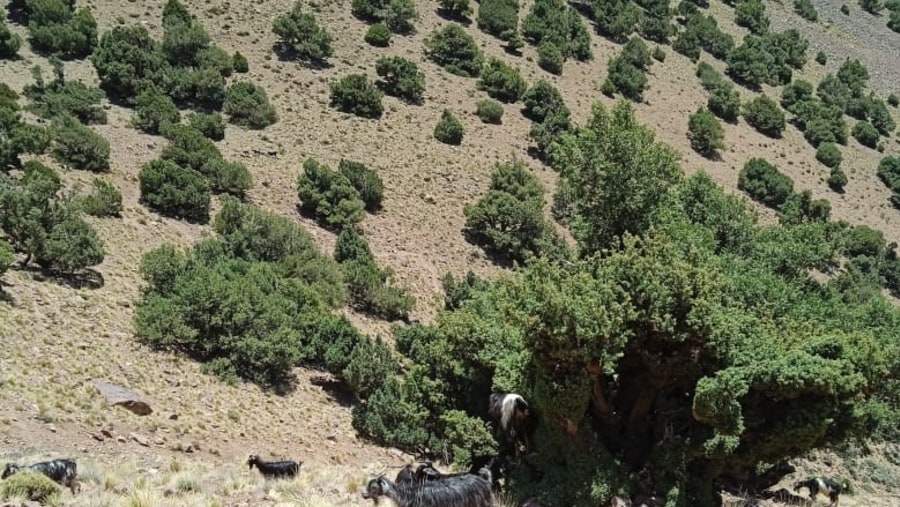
(117, 395)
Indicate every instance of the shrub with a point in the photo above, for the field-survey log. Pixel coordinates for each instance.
(866, 134)
(350, 245)
(211, 125)
(378, 35)
(328, 196)
(794, 93)
(459, 9)
(55, 28)
(152, 109)
(188, 147)
(616, 19)
(542, 99)
(497, 17)
(357, 95)
(837, 179)
(64, 97)
(502, 81)
(34, 487)
(370, 286)
(215, 58)
(104, 201)
(763, 114)
(845, 10)
(709, 77)
(893, 100)
(751, 14)
(725, 102)
(829, 155)
(659, 54)
(705, 133)
(626, 78)
(9, 42)
(300, 33)
(636, 53)
(195, 87)
(802, 208)
(401, 78)
(455, 50)
(821, 58)
(557, 22)
(71, 245)
(174, 191)
(365, 181)
(889, 172)
(369, 366)
(248, 105)
(448, 130)
(239, 63)
(894, 24)
(490, 111)
(550, 57)
(806, 10)
(227, 177)
(872, 6)
(79, 146)
(7, 259)
(395, 14)
(764, 183)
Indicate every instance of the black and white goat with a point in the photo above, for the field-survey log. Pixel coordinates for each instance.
(516, 421)
(815, 485)
(61, 471)
(276, 469)
(455, 490)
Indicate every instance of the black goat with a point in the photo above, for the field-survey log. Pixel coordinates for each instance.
(456, 490)
(816, 484)
(405, 475)
(61, 471)
(497, 468)
(515, 418)
(276, 469)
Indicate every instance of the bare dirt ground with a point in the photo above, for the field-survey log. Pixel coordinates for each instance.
(57, 339)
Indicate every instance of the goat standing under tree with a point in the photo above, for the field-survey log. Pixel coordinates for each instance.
(516, 420)
(455, 490)
(815, 485)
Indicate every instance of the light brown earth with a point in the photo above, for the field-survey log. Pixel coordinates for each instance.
(56, 339)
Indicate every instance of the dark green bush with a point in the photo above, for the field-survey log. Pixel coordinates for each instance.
(705, 133)
(401, 78)
(247, 104)
(626, 78)
(845, 10)
(217, 59)
(378, 35)
(174, 191)
(458, 292)
(837, 179)
(725, 102)
(616, 19)
(457, 9)
(872, 6)
(763, 114)
(893, 100)
(806, 10)
(7, 259)
(239, 63)
(829, 155)
(77, 145)
(889, 173)
(834, 92)
(372, 291)
(9, 42)
(300, 33)
(709, 77)
(636, 53)
(369, 366)
(498, 17)
(556, 22)
(502, 81)
(34, 487)
(70, 245)
(396, 14)
(365, 181)
(448, 130)
(55, 27)
(802, 208)
(126, 58)
(794, 93)
(866, 134)
(821, 58)
(64, 97)
(329, 196)
(550, 57)
(490, 111)
(16, 136)
(188, 147)
(541, 100)
(184, 38)
(104, 201)
(659, 54)
(201, 88)
(152, 109)
(211, 125)
(357, 95)
(455, 50)
(764, 183)
(227, 177)
(254, 234)
(894, 24)
(751, 14)
(350, 245)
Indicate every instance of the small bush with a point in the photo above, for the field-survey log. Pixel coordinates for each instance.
(709, 77)
(541, 100)
(299, 32)
(239, 63)
(104, 201)
(152, 109)
(490, 111)
(821, 58)
(174, 191)
(866, 134)
(248, 105)
(763, 114)
(448, 130)
(365, 181)
(79, 146)
(211, 125)
(33, 487)
(378, 35)
(872, 6)
(127, 58)
(751, 14)
(401, 78)
(502, 81)
(837, 180)
(659, 54)
(550, 57)
(705, 133)
(63, 32)
(893, 100)
(9, 42)
(455, 50)
(227, 177)
(329, 196)
(794, 93)
(806, 10)
(764, 183)
(188, 147)
(64, 97)
(725, 102)
(459, 9)
(845, 10)
(829, 155)
(626, 78)
(357, 95)
(498, 17)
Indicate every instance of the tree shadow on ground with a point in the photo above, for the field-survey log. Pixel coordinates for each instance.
(490, 253)
(336, 390)
(85, 279)
(289, 54)
(451, 16)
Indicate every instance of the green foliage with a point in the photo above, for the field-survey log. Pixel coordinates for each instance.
(7, 259)
(397, 15)
(200, 88)
(763, 114)
(211, 125)
(489, 111)
(9, 42)
(365, 181)
(725, 102)
(768, 59)
(872, 6)
(865, 133)
(31, 486)
(57, 28)
(457, 9)
(541, 100)
(357, 95)
(550, 57)
(248, 105)
(174, 191)
(806, 10)
(829, 155)
(764, 183)
(455, 50)
(502, 81)
(79, 146)
(64, 97)
(153, 109)
(659, 54)
(104, 201)
(401, 78)
(557, 25)
(709, 76)
(845, 10)
(821, 58)
(350, 246)
(889, 174)
(751, 14)
(127, 58)
(794, 93)
(458, 292)
(300, 33)
(615, 19)
(498, 17)
(893, 100)
(239, 63)
(837, 180)
(894, 20)
(189, 148)
(329, 196)
(370, 365)
(626, 74)
(448, 130)
(16, 136)
(705, 133)
(371, 288)
(378, 35)
(801, 208)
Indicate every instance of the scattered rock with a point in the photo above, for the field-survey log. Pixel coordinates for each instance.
(52, 428)
(106, 433)
(173, 417)
(121, 439)
(98, 437)
(140, 439)
(116, 395)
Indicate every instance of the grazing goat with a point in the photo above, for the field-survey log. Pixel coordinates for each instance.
(456, 490)
(288, 468)
(495, 466)
(515, 418)
(405, 475)
(816, 484)
(61, 471)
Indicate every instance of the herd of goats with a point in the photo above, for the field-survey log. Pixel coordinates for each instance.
(425, 486)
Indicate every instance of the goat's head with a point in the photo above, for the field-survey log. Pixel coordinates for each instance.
(252, 460)
(8, 470)
(377, 488)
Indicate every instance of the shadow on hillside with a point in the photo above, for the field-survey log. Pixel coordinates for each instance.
(450, 16)
(86, 279)
(288, 54)
(494, 256)
(6, 297)
(337, 391)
